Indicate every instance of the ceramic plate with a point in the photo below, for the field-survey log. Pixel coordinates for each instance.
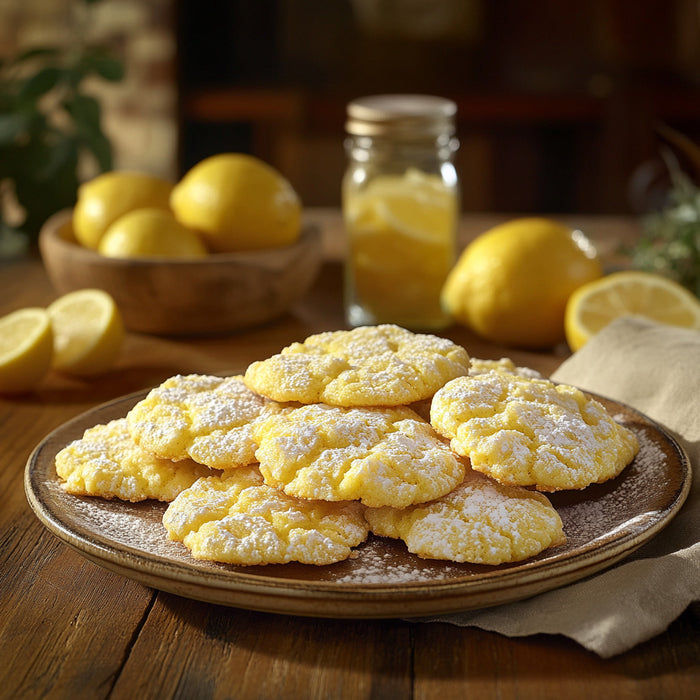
(604, 523)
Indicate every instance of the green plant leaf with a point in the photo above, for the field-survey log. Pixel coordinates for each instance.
(40, 83)
(100, 148)
(669, 243)
(42, 197)
(85, 111)
(32, 122)
(38, 159)
(106, 66)
(63, 154)
(12, 125)
(72, 76)
(37, 52)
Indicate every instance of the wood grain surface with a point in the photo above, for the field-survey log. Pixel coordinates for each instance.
(71, 629)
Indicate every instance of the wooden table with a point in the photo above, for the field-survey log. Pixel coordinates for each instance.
(71, 629)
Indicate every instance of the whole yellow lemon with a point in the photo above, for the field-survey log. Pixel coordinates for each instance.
(102, 200)
(148, 233)
(512, 283)
(237, 202)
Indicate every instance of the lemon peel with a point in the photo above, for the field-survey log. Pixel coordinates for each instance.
(237, 202)
(150, 232)
(102, 200)
(512, 283)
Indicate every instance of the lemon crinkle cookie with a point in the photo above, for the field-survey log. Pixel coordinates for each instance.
(480, 522)
(531, 432)
(505, 364)
(106, 462)
(480, 366)
(201, 417)
(238, 519)
(380, 456)
(381, 365)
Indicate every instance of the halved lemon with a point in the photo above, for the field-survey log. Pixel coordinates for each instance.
(26, 347)
(595, 304)
(88, 332)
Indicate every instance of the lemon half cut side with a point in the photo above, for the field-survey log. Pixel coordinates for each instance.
(88, 332)
(594, 305)
(26, 347)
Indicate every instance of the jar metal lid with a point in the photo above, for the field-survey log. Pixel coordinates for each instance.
(409, 116)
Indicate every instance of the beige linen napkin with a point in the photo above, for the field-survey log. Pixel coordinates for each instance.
(655, 369)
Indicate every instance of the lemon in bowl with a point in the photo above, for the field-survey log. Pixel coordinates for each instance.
(103, 199)
(237, 203)
(512, 283)
(150, 232)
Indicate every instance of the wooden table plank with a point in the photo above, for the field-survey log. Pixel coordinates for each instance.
(246, 654)
(67, 625)
(550, 667)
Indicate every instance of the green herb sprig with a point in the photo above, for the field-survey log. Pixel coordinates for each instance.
(670, 240)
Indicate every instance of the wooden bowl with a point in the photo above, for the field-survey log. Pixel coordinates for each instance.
(221, 293)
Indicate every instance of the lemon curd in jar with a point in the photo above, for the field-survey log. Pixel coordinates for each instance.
(400, 208)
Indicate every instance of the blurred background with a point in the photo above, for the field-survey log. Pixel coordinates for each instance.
(559, 103)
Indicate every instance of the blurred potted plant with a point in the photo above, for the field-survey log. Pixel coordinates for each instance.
(48, 125)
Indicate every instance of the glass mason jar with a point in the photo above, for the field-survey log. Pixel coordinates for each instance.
(400, 200)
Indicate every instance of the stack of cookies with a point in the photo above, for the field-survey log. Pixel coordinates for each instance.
(373, 430)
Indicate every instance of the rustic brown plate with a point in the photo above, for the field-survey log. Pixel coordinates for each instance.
(604, 523)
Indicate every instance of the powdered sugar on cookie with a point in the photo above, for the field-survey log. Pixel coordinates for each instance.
(205, 418)
(380, 456)
(480, 522)
(107, 463)
(240, 520)
(368, 366)
(531, 432)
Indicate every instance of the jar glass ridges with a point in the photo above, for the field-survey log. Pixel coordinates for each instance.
(400, 199)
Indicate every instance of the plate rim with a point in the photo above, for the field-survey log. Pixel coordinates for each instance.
(339, 599)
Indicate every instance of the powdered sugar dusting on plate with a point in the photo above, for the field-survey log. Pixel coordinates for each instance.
(598, 511)
(378, 564)
(134, 525)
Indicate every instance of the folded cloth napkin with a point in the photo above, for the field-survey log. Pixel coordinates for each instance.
(656, 369)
